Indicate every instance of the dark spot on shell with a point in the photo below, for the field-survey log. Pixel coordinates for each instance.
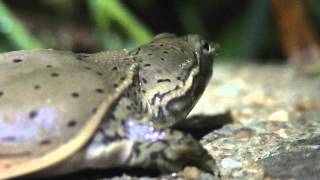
(99, 73)
(45, 142)
(99, 90)
(122, 78)
(173, 48)
(72, 123)
(115, 68)
(161, 45)
(143, 91)
(163, 80)
(162, 59)
(75, 94)
(144, 80)
(9, 138)
(49, 66)
(181, 50)
(147, 65)
(1, 93)
(88, 68)
(165, 52)
(179, 78)
(17, 60)
(33, 114)
(115, 85)
(149, 54)
(36, 87)
(94, 110)
(54, 74)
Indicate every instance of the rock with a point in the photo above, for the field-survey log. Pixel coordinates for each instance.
(275, 132)
(280, 115)
(192, 173)
(230, 163)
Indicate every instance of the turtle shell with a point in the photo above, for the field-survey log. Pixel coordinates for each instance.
(52, 102)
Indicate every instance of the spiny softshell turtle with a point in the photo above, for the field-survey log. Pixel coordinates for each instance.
(61, 112)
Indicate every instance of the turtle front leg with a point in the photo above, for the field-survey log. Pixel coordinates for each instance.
(138, 144)
(200, 125)
(166, 150)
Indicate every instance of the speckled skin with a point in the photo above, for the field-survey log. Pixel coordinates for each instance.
(73, 111)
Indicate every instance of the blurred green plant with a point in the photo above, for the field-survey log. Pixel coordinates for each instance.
(313, 6)
(255, 28)
(106, 12)
(15, 31)
(244, 29)
(191, 18)
(245, 35)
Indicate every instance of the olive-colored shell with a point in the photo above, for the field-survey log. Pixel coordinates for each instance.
(51, 103)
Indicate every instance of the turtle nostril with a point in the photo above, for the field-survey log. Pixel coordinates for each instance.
(215, 47)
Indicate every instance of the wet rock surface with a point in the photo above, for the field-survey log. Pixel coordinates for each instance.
(275, 128)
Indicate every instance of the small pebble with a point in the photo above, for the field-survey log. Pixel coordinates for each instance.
(280, 115)
(257, 98)
(230, 163)
(308, 105)
(282, 133)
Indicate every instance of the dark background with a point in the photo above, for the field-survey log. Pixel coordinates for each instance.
(245, 29)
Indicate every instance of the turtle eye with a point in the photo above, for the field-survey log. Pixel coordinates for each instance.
(205, 46)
